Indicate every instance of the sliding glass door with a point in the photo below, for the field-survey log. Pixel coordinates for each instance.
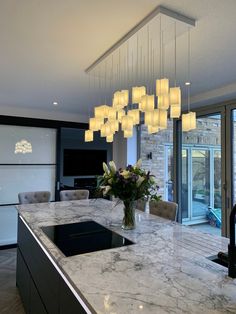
(200, 182)
(201, 173)
(199, 167)
(230, 180)
(168, 195)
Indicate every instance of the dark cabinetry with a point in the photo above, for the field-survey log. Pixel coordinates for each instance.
(88, 184)
(28, 291)
(84, 184)
(41, 287)
(23, 281)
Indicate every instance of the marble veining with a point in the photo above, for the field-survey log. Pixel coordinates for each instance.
(166, 271)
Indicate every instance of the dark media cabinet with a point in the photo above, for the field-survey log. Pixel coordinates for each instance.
(87, 184)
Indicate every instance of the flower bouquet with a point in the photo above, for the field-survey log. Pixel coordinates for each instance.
(129, 184)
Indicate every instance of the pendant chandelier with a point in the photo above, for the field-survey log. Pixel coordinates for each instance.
(131, 105)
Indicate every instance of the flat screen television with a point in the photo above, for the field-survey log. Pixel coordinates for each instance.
(83, 162)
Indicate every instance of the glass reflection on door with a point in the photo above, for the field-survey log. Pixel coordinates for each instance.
(169, 181)
(200, 182)
(201, 173)
(184, 189)
(217, 180)
(234, 156)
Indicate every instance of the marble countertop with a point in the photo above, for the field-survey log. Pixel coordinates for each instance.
(166, 271)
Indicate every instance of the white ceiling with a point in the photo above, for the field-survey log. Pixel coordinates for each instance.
(46, 46)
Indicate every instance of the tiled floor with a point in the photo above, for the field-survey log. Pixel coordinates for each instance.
(10, 302)
(207, 228)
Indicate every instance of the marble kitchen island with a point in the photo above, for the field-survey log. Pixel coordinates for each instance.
(165, 271)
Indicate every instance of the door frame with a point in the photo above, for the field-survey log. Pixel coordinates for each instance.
(229, 162)
(189, 148)
(202, 112)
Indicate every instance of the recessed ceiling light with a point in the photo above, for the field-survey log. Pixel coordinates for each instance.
(55, 103)
(187, 83)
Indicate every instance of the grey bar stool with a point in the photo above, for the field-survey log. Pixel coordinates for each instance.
(141, 204)
(164, 209)
(34, 197)
(72, 195)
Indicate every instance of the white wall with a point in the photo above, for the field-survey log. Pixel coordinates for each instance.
(125, 150)
(33, 171)
(132, 148)
(120, 150)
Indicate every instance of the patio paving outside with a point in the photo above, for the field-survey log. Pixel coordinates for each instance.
(207, 228)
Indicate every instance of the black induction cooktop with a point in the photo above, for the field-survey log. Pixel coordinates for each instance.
(84, 237)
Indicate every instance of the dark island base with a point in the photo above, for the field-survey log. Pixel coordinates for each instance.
(42, 288)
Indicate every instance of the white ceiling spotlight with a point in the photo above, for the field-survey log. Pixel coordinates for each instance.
(55, 103)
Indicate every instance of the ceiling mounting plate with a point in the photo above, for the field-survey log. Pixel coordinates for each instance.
(158, 11)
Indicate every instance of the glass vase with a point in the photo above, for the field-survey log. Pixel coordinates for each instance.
(129, 215)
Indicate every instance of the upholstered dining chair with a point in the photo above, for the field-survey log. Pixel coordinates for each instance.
(72, 195)
(164, 209)
(34, 197)
(140, 204)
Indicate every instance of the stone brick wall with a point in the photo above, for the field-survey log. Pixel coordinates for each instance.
(207, 132)
(155, 143)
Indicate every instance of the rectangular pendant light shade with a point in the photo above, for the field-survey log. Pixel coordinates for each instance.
(147, 103)
(162, 87)
(175, 95)
(115, 101)
(163, 102)
(109, 138)
(189, 121)
(152, 118)
(105, 130)
(175, 111)
(143, 103)
(159, 119)
(88, 136)
(101, 111)
(120, 99)
(128, 133)
(125, 96)
(120, 114)
(111, 113)
(95, 123)
(137, 93)
(148, 118)
(156, 118)
(114, 125)
(127, 123)
(135, 114)
(152, 129)
(150, 103)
